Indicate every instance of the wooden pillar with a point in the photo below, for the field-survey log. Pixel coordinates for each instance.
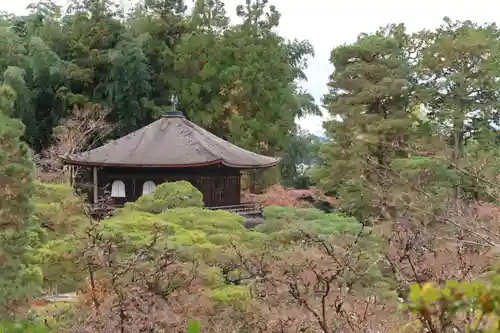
(96, 193)
(134, 196)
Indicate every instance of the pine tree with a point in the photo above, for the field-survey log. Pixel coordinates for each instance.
(460, 71)
(20, 277)
(370, 101)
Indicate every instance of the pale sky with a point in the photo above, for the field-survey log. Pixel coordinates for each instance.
(329, 23)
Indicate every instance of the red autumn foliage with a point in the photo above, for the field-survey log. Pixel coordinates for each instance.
(458, 245)
(280, 196)
(40, 302)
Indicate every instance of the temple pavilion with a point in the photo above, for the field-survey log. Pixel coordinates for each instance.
(167, 150)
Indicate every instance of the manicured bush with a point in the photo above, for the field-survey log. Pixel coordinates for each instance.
(187, 229)
(287, 222)
(169, 195)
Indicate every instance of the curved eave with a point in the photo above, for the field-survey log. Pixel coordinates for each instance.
(214, 162)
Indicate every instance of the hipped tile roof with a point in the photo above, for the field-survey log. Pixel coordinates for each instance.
(172, 141)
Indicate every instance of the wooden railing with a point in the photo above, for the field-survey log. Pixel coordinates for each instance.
(242, 209)
(250, 209)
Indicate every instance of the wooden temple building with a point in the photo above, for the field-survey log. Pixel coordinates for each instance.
(169, 149)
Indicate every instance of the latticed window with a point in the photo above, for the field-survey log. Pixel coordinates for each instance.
(219, 194)
(118, 189)
(219, 190)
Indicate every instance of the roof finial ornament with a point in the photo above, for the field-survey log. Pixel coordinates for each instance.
(174, 100)
(173, 113)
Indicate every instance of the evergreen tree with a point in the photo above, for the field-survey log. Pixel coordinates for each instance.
(161, 25)
(460, 71)
(300, 158)
(129, 88)
(370, 101)
(20, 277)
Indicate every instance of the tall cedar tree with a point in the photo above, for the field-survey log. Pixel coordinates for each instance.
(233, 79)
(370, 101)
(20, 277)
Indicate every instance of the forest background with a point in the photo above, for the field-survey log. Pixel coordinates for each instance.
(186, 68)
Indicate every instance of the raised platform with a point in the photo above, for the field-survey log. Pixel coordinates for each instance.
(245, 209)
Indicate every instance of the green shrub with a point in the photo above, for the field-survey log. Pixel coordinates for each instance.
(292, 214)
(288, 222)
(57, 260)
(194, 326)
(62, 214)
(59, 316)
(231, 295)
(188, 229)
(49, 193)
(58, 209)
(23, 326)
(169, 195)
(470, 306)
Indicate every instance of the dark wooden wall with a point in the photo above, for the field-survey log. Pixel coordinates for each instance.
(83, 183)
(219, 185)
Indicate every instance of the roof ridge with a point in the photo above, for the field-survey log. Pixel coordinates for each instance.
(210, 135)
(143, 132)
(115, 142)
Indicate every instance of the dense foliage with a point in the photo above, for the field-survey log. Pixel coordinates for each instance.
(164, 251)
(413, 151)
(228, 78)
(412, 108)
